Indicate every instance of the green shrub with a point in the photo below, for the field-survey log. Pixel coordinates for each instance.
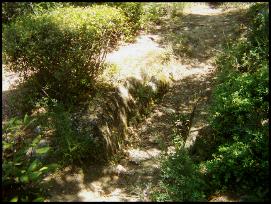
(240, 113)
(73, 142)
(133, 11)
(156, 12)
(241, 166)
(181, 179)
(12, 10)
(64, 48)
(152, 12)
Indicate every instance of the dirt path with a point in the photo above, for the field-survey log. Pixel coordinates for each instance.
(133, 175)
(9, 82)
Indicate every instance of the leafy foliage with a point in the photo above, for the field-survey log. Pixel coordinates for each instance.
(12, 10)
(22, 171)
(133, 11)
(72, 143)
(181, 179)
(240, 113)
(78, 38)
(156, 12)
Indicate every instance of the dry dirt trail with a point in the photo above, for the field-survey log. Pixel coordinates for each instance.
(133, 176)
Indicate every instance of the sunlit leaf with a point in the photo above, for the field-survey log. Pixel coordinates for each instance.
(43, 168)
(26, 117)
(33, 166)
(6, 145)
(24, 179)
(36, 140)
(15, 199)
(34, 176)
(42, 150)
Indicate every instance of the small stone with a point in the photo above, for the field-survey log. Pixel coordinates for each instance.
(169, 110)
(152, 86)
(120, 169)
(43, 143)
(37, 130)
(31, 152)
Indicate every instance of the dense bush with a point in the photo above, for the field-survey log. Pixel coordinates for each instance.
(181, 179)
(157, 12)
(133, 11)
(240, 112)
(12, 10)
(63, 48)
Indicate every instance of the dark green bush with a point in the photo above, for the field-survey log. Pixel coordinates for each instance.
(241, 166)
(181, 179)
(63, 48)
(240, 113)
(72, 143)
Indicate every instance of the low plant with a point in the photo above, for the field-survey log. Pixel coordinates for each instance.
(181, 179)
(72, 142)
(23, 169)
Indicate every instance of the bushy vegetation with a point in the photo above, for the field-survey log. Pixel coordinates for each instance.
(23, 166)
(133, 11)
(181, 179)
(63, 49)
(240, 112)
(156, 13)
(72, 143)
(10, 11)
(239, 121)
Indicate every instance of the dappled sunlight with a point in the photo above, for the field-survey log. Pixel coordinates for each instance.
(153, 95)
(9, 79)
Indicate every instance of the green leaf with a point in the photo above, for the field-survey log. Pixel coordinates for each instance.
(39, 199)
(36, 140)
(6, 145)
(43, 168)
(15, 199)
(34, 176)
(25, 118)
(53, 166)
(24, 179)
(42, 150)
(33, 166)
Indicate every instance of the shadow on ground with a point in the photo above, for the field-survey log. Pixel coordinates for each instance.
(199, 37)
(104, 182)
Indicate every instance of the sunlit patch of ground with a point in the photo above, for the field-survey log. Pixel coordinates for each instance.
(146, 58)
(9, 79)
(202, 9)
